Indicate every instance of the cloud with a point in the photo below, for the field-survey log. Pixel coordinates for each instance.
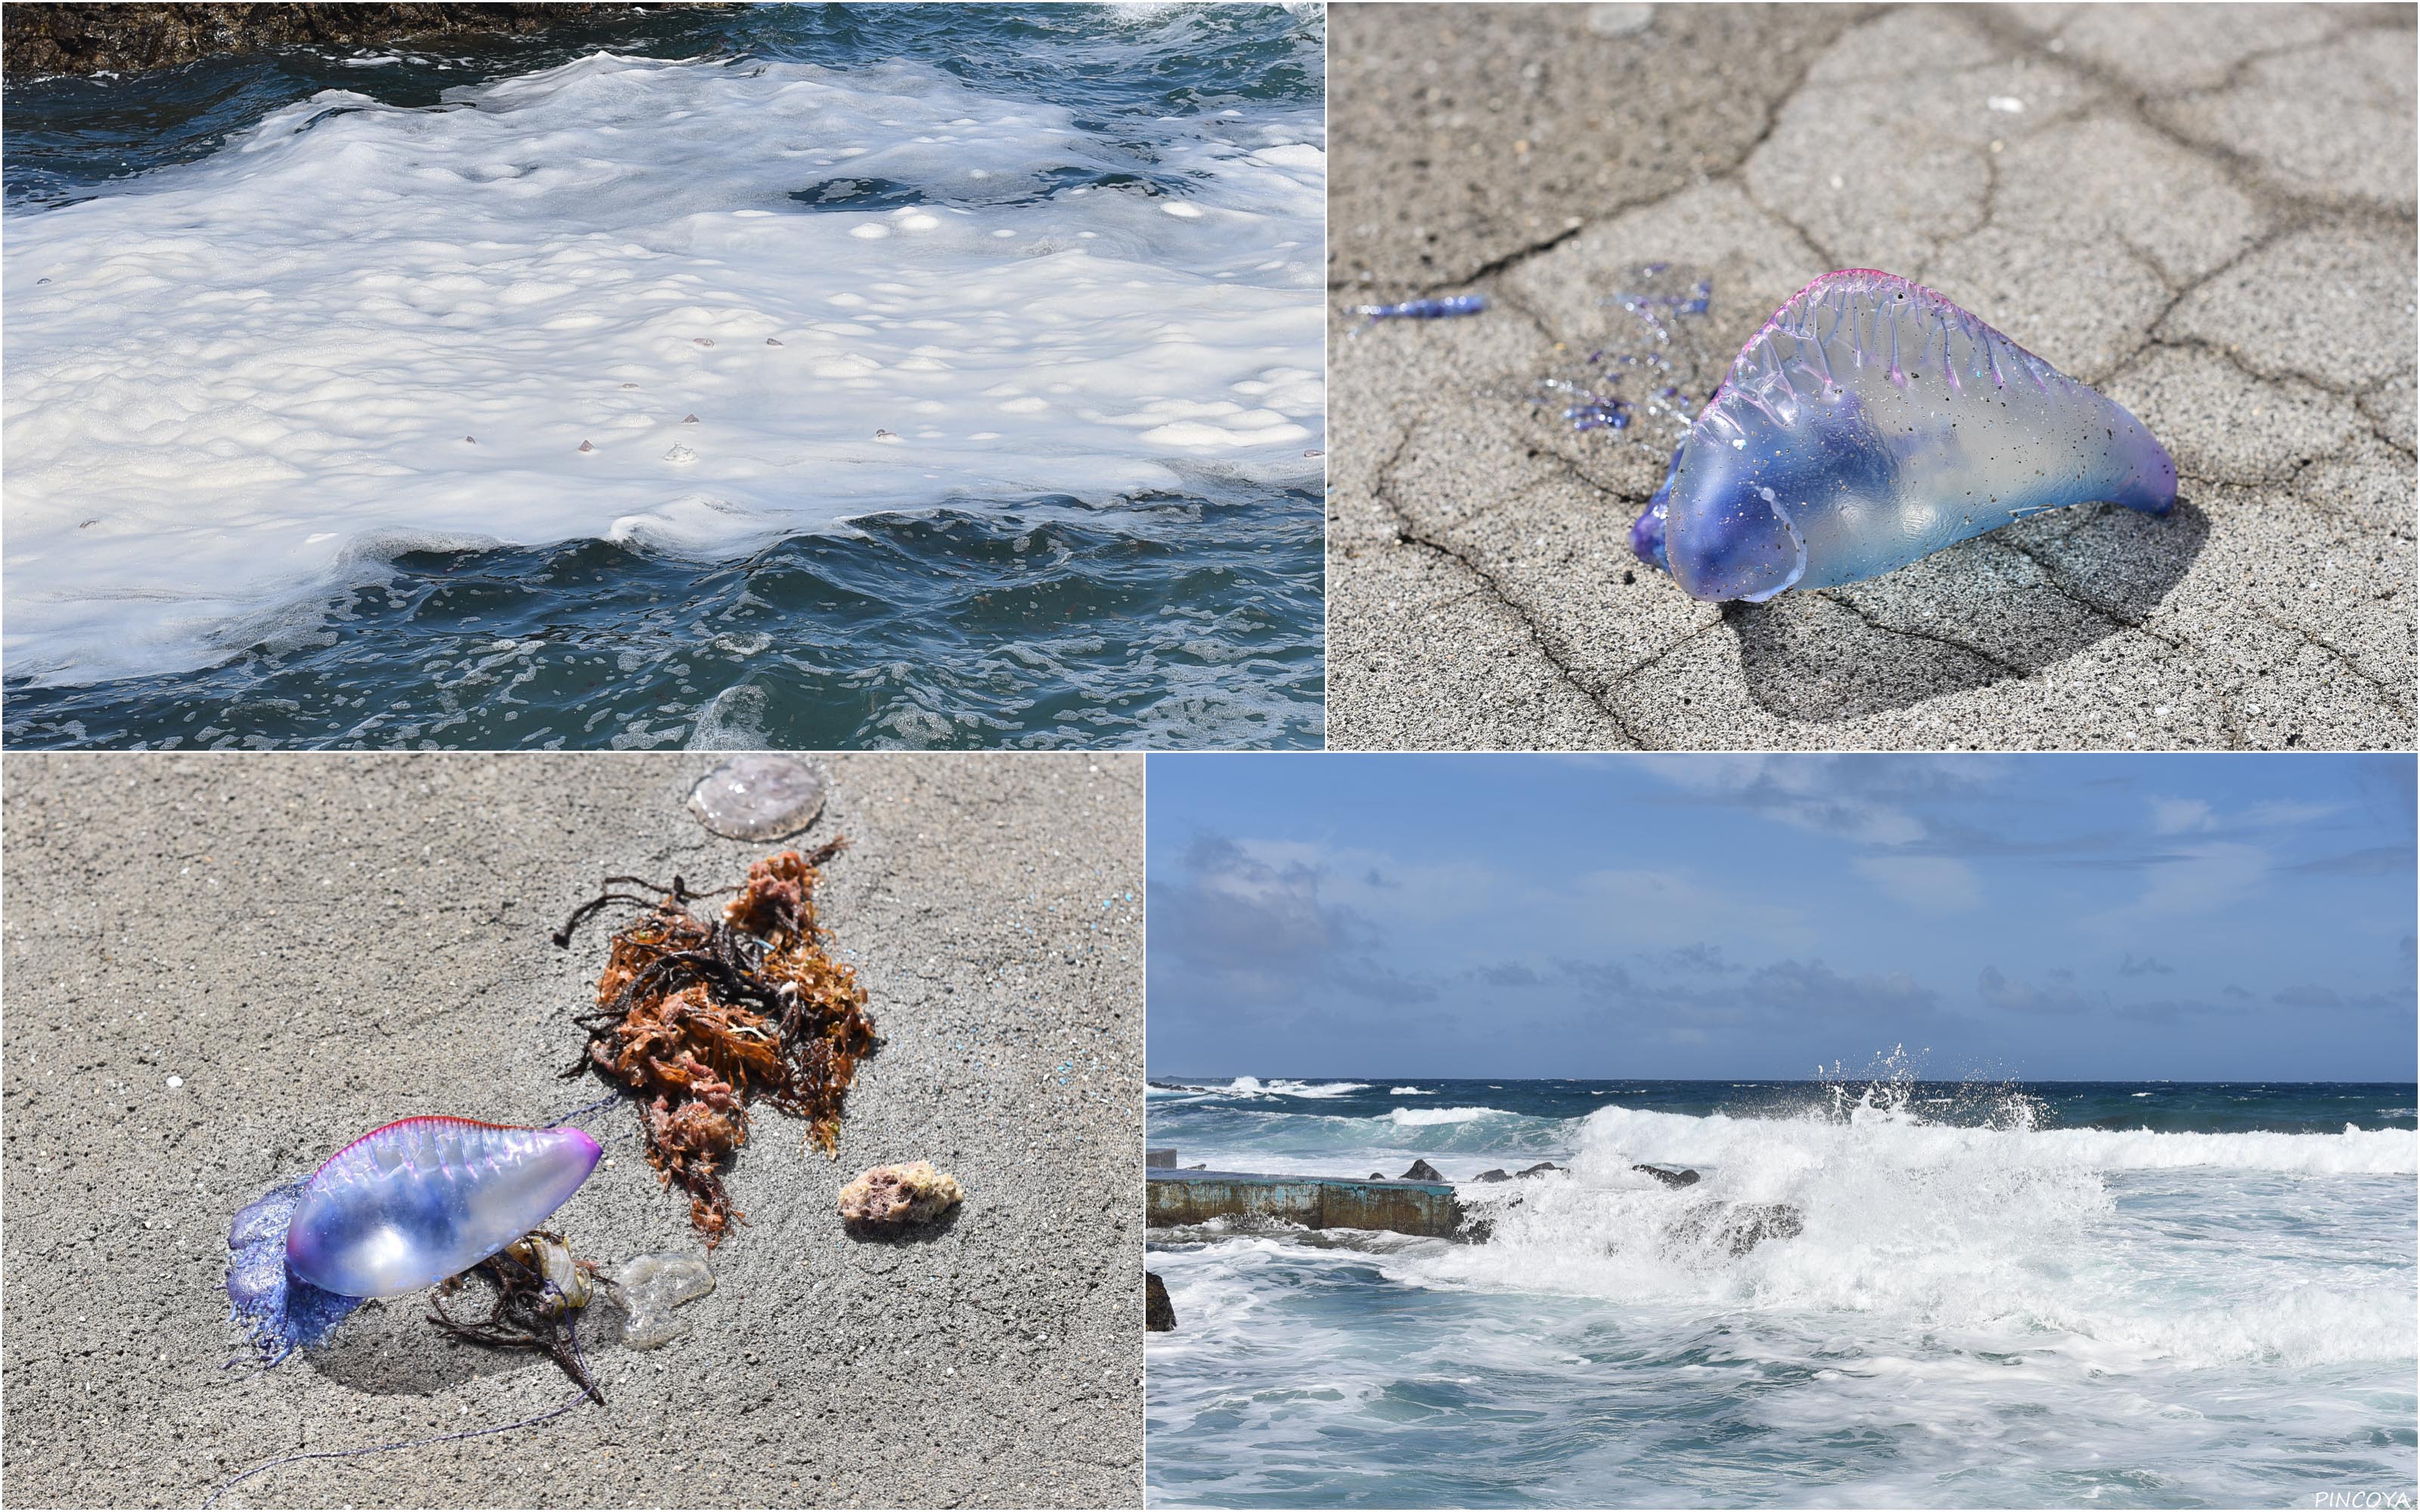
(2202, 879)
(2147, 966)
(2374, 861)
(1935, 884)
(1814, 987)
(2181, 816)
(2012, 996)
(2169, 1011)
(1602, 981)
(1698, 960)
(1258, 933)
(2309, 996)
(1507, 974)
(1868, 800)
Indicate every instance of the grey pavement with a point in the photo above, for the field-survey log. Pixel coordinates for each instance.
(313, 946)
(2207, 212)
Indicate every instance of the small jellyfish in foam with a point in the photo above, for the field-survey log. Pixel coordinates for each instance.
(399, 1209)
(1870, 423)
(758, 797)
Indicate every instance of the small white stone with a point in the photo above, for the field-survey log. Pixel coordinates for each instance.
(175, 1081)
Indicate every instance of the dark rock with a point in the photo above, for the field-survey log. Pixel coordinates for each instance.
(87, 39)
(1541, 1168)
(1159, 1312)
(1421, 1171)
(1493, 1176)
(1202, 1167)
(1738, 1228)
(1377, 1176)
(1669, 1176)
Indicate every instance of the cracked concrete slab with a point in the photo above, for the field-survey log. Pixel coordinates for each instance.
(2159, 233)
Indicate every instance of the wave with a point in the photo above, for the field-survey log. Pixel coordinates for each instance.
(2135, 1239)
(1423, 1118)
(1410, 1092)
(1896, 1137)
(237, 383)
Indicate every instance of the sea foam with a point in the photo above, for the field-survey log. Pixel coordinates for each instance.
(361, 328)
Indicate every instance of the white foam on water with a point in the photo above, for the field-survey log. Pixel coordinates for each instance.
(361, 328)
(1423, 1118)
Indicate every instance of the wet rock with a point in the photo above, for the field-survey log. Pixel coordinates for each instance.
(892, 1197)
(1498, 1175)
(1541, 1169)
(1159, 1312)
(87, 39)
(1737, 1229)
(1670, 1175)
(1421, 1171)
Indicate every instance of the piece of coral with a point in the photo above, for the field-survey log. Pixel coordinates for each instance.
(1870, 423)
(890, 1195)
(701, 1019)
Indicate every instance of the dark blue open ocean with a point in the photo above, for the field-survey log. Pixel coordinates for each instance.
(818, 376)
(2130, 1294)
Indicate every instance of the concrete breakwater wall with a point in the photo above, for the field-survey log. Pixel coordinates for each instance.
(1181, 1198)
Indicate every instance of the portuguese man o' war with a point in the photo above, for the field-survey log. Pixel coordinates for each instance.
(399, 1209)
(1870, 423)
(1444, 309)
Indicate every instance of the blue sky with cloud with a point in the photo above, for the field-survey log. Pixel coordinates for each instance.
(2044, 918)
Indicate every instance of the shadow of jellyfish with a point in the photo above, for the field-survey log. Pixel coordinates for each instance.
(2001, 606)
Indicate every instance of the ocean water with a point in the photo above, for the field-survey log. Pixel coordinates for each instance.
(2129, 1294)
(947, 376)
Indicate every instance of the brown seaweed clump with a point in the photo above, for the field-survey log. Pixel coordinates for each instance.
(890, 1195)
(702, 1018)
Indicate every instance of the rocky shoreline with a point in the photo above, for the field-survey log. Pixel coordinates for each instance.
(128, 39)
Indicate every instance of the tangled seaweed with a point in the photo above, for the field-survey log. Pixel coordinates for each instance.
(700, 1019)
(536, 1289)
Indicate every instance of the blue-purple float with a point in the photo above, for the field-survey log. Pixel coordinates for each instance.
(1870, 423)
(399, 1209)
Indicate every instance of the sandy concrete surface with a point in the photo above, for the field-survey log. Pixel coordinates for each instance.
(313, 946)
(2207, 212)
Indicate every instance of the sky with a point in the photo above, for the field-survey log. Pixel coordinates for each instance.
(2040, 918)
